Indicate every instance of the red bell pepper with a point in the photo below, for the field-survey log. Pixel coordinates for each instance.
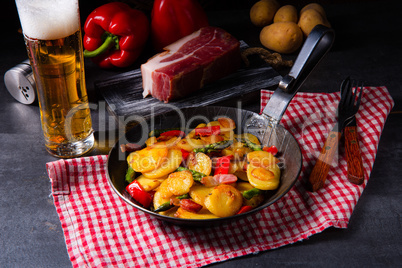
(244, 209)
(176, 133)
(222, 165)
(272, 149)
(115, 35)
(174, 19)
(184, 154)
(139, 194)
(208, 131)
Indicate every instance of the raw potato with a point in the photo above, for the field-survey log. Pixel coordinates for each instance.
(282, 37)
(311, 18)
(315, 6)
(263, 12)
(286, 13)
(224, 201)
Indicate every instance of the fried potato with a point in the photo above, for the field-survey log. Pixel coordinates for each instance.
(147, 159)
(171, 162)
(200, 162)
(199, 192)
(180, 182)
(264, 178)
(224, 201)
(203, 214)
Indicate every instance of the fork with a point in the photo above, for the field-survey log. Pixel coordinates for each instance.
(347, 108)
(352, 148)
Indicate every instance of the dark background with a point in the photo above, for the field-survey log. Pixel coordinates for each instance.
(367, 47)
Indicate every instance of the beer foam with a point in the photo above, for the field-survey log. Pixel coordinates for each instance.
(48, 19)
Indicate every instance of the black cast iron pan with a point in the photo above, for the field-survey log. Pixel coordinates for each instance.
(264, 126)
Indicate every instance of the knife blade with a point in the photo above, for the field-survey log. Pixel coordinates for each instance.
(353, 153)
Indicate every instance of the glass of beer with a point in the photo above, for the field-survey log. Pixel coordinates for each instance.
(53, 40)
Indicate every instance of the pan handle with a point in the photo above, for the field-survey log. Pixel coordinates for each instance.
(317, 44)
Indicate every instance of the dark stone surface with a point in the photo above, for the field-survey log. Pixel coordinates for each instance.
(367, 47)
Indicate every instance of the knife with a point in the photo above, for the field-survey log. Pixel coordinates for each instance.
(353, 153)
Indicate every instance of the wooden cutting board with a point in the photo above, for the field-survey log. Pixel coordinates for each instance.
(123, 92)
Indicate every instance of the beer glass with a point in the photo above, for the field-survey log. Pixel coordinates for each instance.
(53, 40)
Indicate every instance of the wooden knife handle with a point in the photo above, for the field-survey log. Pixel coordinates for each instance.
(353, 156)
(323, 164)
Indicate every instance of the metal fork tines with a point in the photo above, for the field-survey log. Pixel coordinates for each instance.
(349, 103)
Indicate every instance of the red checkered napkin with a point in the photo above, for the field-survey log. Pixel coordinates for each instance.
(102, 230)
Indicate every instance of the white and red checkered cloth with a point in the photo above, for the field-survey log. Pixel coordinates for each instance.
(102, 230)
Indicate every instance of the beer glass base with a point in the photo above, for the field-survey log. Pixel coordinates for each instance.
(73, 149)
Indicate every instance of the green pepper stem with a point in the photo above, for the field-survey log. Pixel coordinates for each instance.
(110, 40)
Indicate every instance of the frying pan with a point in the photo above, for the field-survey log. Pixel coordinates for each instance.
(264, 126)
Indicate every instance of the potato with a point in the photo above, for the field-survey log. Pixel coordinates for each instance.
(226, 124)
(263, 12)
(253, 202)
(264, 178)
(249, 137)
(311, 18)
(149, 184)
(261, 159)
(147, 159)
(200, 162)
(180, 182)
(282, 37)
(199, 192)
(315, 6)
(201, 215)
(162, 194)
(212, 139)
(224, 201)
(286, 13)
(189, 144)
(170, 164)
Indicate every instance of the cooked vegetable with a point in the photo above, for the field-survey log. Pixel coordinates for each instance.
(115, 35)
(251, 193)
(130, 174)
(224, 201)
(147, 159)
(139, 194)
(214, 146)
(271, 149)
(208, 131)
(197, 176)
(181, 183)
(174, 19)
(149, 184)
(203, 214)
(244, 209)
(222, 164)
(199, 192)
(170, 164)
(200, 162)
